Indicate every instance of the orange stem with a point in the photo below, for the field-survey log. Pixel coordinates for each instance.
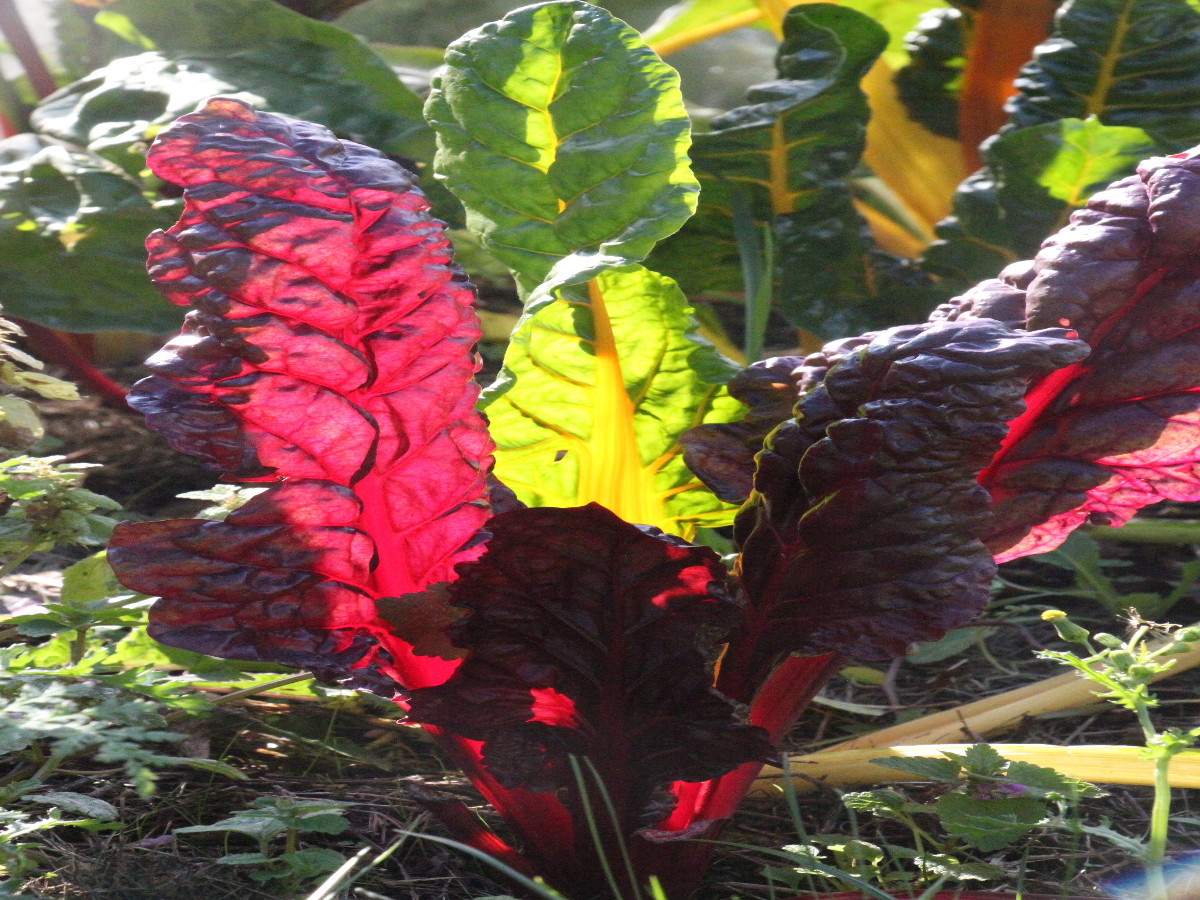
(1003, 36)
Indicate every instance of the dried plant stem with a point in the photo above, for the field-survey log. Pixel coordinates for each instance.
(1101, 763)
(990, 715)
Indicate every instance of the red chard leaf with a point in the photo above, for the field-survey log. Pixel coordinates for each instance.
(596, 638)
(1121, 429)
(329, 350)
(862, 534)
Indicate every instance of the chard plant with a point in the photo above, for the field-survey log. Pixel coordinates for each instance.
(529, 590)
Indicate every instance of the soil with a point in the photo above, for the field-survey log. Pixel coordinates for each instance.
(350, 748)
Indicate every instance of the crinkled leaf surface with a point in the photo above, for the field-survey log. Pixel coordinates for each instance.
(722, 454)
(1033, 178)
(71, 240)
(592, 637)
(1119, 430)
(594, 395)
(566, 139)
(1129, 62)
(929, 84)
(862, 534)
(788, 153)
(990, 824)
(330, 346)
(273, 57)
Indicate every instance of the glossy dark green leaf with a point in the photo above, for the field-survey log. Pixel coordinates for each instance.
(566, 139)
(928, 84)
(789, 152)
(72, 233)
(1129, 62)
(257, 50)
(1032, 180)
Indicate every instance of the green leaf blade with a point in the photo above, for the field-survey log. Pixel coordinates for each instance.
(264, 53)
(562, 133)
(1129, 62)
(595, 392)
(789, 152)
(1032, 180)
(989, 825)
(72, 241)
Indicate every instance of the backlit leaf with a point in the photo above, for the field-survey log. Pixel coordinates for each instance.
(1129, 62)
(329, 354)
(592, 637)
(566, 139)
(1033, 179)
(1117, 431)
(594, 395)
(788, 153)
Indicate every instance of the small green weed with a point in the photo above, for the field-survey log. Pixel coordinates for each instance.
(270, 818)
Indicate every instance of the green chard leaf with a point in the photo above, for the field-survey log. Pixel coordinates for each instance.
(72, 241)
(928, 85)
(75, 219)
(788, 153)
(1115, 83)
(257, 50)
(595, 394)
(1033, 179)
(1129, 62)
(566, 139)
(899, 18)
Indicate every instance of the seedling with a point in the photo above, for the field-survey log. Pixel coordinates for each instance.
(270, 818)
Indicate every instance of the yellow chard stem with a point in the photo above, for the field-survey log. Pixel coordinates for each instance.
(704, 32)
(613, 475)
(921, 168)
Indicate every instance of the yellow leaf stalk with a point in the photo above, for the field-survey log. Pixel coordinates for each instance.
(684, 39)
(921, 168)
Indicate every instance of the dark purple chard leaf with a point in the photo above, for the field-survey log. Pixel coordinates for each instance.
(722, 455)
(862, 535)
(595, 638)
(330, 350)
(1121, 429)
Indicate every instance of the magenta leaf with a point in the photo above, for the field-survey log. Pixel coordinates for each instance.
(862, 534)
(329, 350)
(1121, 429)
(593, 638)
